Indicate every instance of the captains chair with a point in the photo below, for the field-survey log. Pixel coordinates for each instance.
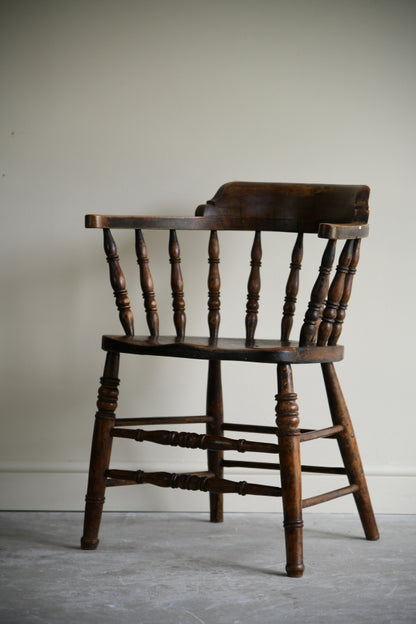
(333, 212)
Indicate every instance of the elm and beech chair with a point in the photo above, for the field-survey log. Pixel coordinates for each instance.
(333, 212)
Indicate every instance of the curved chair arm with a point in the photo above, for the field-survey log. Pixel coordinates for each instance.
(343, 230)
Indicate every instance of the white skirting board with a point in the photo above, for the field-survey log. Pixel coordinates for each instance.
(62, 488)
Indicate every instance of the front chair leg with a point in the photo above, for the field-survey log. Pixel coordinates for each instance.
(349, 450)
(214, 427)
(100, 451)
(287, 420)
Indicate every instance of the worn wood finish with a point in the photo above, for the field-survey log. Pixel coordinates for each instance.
(253, 288)
(323, 498)
(146, 282)
(333, 213)
(215, 411)
(343, 230)
(334, 295)
(302, 206)
(305, 434)
(349, 450)
(162, 420)
(231, 463)
(287, 421)
(118, 283)
(214, 284)
(234, 349)
(176, 280)
(194, 482)
(100, 451)
(318, 295)
(292, 288)
(342, 309)
(186, 439)
(315, 434)
(266, 224)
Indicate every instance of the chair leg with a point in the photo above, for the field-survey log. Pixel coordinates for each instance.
(287, 420)
(215, 410)
(100, 451)
(349, 450)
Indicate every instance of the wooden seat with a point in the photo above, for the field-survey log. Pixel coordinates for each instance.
(334, 213)
(236, 349)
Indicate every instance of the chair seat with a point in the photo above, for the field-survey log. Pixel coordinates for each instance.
(237, 349)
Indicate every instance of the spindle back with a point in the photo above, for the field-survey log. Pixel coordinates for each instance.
(332, 211)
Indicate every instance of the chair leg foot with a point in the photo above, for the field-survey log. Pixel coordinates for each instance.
(349, 451)
(287, 420)
(100, 451)
(89, 544)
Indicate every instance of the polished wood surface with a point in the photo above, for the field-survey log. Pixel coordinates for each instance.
(146, 282)
(332, 212)
(176, 280)
(253, 288)
(292, 288)
(118, 283)
(236, 349)
(214, 284)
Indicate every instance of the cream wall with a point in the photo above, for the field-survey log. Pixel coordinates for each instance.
(148, 107)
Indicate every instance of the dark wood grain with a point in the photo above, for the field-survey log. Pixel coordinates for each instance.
(215, 412)
(342, 309)
(146, 282)
(194, 482)
(253, 288)
(292, 288)
(235, 349)
(100, 451)
(318, 295)
(330, 211)
(343, 230)
(185, 439)
(178, 301)
(301, 206)
(349, 450)
(118, 283)
(214, 284)
(243, 224)
(287, 421)
(334, 294)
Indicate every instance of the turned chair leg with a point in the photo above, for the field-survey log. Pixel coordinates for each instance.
(215, 411)
(287, 420)
(100, 451)
(349, 450)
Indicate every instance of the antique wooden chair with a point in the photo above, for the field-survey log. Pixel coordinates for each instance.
(331, 211)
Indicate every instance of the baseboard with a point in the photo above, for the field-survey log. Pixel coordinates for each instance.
(62, 488)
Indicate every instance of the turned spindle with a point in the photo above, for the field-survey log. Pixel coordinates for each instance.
(349, 278)
(176, 280)
(334, 294)
(118, 283)
(253, 288)
(147, 286)
(292, 288)
(318, 295)
(214, 283)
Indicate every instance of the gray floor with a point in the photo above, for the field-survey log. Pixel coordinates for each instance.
(180, 569)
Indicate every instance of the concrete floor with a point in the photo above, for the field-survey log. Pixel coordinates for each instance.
(180, 569)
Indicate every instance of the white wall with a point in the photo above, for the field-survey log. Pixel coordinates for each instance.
(148, 107)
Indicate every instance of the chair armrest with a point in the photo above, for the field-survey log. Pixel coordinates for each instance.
(343, 230)
(221, 222)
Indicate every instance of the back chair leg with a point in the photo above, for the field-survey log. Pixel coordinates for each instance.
(349, 450)
(100, 451)
(215, 411)
(287, 420)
